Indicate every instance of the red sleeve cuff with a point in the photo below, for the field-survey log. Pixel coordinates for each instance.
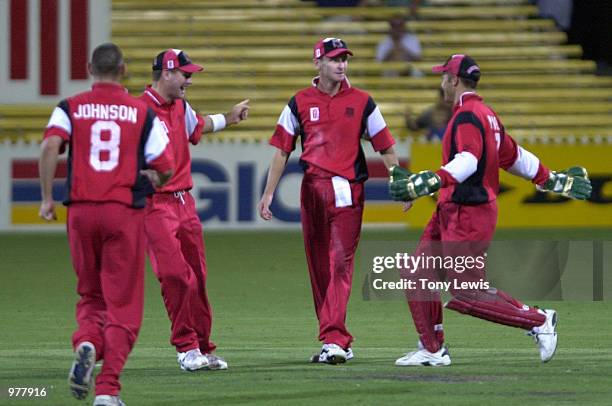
(542, 175)
(447, 178)
(282, 140)
(196, 135)
(60, 132)
(382, 140)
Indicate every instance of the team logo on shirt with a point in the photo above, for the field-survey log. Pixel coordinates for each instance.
(349, 112)
(314, 114)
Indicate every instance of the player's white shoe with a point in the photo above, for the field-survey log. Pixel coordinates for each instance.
(330, 354)
(192, 360)
(545, 335)
(349, 356)
(81, 372)
(108, 400)
(422, 357)
(420, 347)
(215, 363)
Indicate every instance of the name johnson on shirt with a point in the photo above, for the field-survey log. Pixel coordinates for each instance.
(106, 112)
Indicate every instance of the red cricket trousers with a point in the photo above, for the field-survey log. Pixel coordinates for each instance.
(108, 253)
(176, 249)
(331, 236)
(459, 230)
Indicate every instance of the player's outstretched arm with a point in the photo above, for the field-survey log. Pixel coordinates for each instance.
(217, 122)
(279, 161)
(46, 167)
(573, 182)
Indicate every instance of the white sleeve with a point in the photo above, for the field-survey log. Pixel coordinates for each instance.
(156, 142)
(412, 44)
(526, 164)
(289, 121)
(463, 165)
(383, 49)
(191, 120)
(60, 119)
(375, 123)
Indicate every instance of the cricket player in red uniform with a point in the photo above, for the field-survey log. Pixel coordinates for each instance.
(474, 147)
(174, 232)
(331, 117)
(116, 146)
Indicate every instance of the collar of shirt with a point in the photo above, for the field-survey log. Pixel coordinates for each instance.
(156, 97)
(108, 87)
(344, 85)
(466, 96)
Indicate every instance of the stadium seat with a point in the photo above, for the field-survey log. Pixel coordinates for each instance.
(262, 50)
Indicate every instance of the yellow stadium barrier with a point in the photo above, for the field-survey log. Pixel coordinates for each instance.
(196, 13)
(195, 28)
(140, 67)
(439, 53)
(248, 38)
(496, 81)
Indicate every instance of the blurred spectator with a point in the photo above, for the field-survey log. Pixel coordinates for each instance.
(434, 119)
(399, 45)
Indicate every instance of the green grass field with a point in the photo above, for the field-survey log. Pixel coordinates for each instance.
(265, 327)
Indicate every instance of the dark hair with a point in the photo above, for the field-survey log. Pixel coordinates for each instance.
(469, 83)
(156, 75)
(106, 60)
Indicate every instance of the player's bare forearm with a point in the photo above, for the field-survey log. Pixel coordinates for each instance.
(277, 166)
(389, 157)
(46, 168)
(48, 164)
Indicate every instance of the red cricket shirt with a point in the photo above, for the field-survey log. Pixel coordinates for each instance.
(474, 147)
(331, 128)
(183, 126)
(111, 136)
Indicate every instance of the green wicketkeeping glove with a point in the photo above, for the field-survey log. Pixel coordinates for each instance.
(573, 182)
(396, 173)
(576, 171)
(417, 185)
